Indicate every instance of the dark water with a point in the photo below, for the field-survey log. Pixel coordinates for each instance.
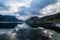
(25, 32)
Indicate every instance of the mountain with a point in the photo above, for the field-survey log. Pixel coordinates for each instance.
(55, 18)
(51, 18)
(47, 22)
(7, 18)
(7, 21)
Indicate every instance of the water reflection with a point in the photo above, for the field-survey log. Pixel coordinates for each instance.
(26, 32)
(22, 26)
(57, 24)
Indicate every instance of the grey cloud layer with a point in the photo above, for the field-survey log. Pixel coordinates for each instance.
(3, 7)
(24, 11)
(37, 5)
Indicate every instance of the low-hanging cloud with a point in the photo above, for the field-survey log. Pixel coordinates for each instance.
(13, 5)
(34, 7)
(39, 4)
(23, 9)
(3, 7)
(51, 9)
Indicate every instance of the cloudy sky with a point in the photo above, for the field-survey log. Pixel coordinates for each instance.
(23, 9)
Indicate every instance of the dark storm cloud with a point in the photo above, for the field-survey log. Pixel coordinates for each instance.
(39, 4)
(22, 11)
(3, 7)
(35, 6)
